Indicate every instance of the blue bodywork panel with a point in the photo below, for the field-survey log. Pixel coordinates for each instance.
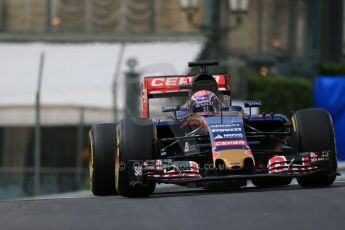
(329, 93)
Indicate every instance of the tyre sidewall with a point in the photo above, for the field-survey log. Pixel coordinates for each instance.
(136, 142)
(102, 140)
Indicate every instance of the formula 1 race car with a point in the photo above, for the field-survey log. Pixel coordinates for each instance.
(207, 141)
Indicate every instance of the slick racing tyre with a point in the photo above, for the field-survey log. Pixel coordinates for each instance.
(315, 133)
(271, 182)
(102, 147)
(136, 141)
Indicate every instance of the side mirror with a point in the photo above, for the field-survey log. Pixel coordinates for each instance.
(252, 103)
(171, 108)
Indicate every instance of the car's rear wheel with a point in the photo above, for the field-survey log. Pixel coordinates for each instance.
(102, 146)
(315, 133)
(271, 182)
(136, 141)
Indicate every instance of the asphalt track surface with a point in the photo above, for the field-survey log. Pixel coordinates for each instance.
(174, 207)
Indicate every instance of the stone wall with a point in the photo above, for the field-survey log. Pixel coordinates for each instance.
(135, 16)
(25, 15)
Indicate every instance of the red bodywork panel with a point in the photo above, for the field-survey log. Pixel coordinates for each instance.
(169, 86)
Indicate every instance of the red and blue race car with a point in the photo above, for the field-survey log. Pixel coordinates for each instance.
(208, 141)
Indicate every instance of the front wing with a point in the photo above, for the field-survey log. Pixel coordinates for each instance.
(186, 172)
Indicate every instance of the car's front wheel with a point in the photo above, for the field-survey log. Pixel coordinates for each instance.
(102, 146)
(315, 133)
(136, 141)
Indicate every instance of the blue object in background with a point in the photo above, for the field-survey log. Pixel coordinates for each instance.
(329, 93)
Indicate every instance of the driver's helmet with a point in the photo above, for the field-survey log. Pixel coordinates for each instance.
(204, 102)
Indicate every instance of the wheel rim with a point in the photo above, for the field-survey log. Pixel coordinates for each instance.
(90, 160)
(117, 160)
(294, 127)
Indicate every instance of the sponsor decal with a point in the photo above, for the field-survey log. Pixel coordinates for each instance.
(169, 81)
(277, 161)
(225, 125)
(203, 103)
(137, 170)
(315, 157)
(188, 147)
(324, 156)
(229, 143)
(226, 130)
(201, 98)
(218, 136)
(233, 135)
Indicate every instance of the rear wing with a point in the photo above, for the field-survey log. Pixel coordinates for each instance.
(172, 86)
